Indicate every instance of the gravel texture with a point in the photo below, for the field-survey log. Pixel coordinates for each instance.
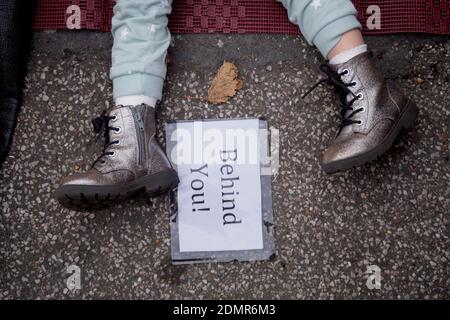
(392, 213)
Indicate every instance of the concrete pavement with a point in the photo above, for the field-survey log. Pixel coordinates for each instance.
(392, 213)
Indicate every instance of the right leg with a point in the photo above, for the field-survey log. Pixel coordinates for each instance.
(373, 111)
(141, 40)
(132, 160)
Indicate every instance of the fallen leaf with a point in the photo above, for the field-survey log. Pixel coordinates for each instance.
(225, 84)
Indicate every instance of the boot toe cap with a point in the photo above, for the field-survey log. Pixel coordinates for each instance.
(79, 179)
(342, 151)
(356, 149)
(344, 154)
(341, 156)
(94, 177)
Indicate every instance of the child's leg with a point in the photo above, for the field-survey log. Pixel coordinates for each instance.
(373, 112)
(323, 22)
(132, 160)
(141, 40)
(349, 40)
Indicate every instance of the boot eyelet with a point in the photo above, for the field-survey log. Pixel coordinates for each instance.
(118, 130)
(116, 141)
(114, 118)
(354, 84)
(345, 72)
(359, 123)
(360, 96)
(362, 108)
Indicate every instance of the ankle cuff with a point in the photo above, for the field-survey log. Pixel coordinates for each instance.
(331, 34)
(138, 84)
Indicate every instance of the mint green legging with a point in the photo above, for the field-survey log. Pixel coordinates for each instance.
(141, 38)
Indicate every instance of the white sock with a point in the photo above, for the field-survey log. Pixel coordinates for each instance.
(136, 100)
(349, 54)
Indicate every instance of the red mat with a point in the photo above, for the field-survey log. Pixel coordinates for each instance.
(247, 16)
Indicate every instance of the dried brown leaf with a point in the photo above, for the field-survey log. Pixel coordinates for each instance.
(225, 84)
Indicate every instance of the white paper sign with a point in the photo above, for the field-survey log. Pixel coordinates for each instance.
(219, 195)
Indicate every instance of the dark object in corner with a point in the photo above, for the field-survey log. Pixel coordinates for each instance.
(16, 29)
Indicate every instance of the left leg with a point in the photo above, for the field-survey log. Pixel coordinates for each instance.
(373, 112)
(132, 159)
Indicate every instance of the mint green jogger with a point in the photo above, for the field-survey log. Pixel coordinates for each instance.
(141, 38)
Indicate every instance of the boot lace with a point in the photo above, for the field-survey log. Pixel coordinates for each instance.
(99, 123)
(335, 79)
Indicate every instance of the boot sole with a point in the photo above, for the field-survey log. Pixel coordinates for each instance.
(406, 121)
(98, 197)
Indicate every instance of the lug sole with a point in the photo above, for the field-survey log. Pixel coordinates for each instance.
(406, 121)
(99, 197)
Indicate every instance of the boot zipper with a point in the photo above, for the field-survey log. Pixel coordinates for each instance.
(139, 124)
